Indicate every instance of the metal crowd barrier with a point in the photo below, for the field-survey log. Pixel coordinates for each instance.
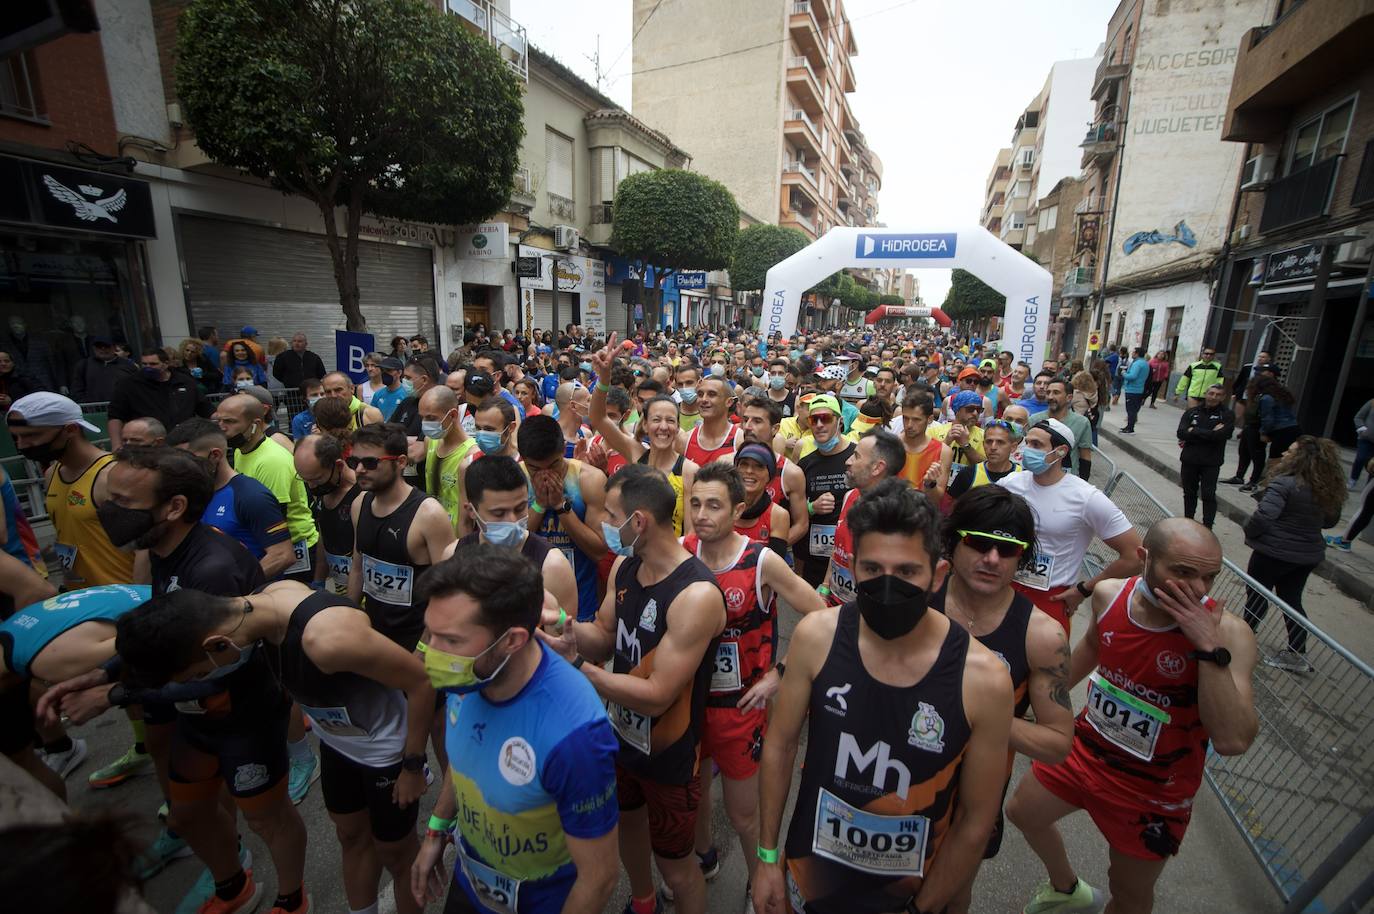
(1302, 797)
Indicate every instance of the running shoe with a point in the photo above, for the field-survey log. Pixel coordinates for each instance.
(245, 901)
(1290, 661)
(121, 769)
(710, 868)
(1249, 487)
(1234, 481)
(162, 811)
(165, 848)
(303, 774)
(658, 905)
(203, 889)
(1084, 899)
(64, 763)
(1338, 542)
(303, 909)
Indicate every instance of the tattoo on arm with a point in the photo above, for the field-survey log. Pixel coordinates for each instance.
(1059, 678)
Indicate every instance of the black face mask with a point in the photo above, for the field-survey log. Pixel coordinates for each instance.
(328, 488)
(45, 452)
(238, 441)
(127, 526)
(891, 606)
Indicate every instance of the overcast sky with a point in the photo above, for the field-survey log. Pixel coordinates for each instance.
(940, 85)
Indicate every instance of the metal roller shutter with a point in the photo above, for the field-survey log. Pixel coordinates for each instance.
(282, 281)
(543, 309)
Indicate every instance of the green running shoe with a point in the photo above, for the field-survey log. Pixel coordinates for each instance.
(129, 764)
(1084, 899)
(165, 848)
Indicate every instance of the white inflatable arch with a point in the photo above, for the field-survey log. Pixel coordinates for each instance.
(1025, 283)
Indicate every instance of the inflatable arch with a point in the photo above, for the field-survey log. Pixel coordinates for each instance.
(883, 311)
(1025, 283)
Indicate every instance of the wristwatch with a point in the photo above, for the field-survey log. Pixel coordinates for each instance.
(414, 762)
(781, 668)
(117, 696)
(578, 661)
(561, 509)
(1221, 656)
(1082, 590)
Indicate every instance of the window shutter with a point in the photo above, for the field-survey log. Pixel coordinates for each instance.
(558, 164)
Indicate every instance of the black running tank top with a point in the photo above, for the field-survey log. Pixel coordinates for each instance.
(391, 578)
(336, 532)
(662, 748)
(880, 779)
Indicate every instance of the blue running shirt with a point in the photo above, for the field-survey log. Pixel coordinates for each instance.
(24, 634)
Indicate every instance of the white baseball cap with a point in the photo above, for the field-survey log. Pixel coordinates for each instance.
(46, 409)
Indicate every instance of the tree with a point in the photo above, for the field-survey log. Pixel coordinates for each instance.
(759, 247)
(382, 106)
(969, 298)
(677, 219)
(890, 299)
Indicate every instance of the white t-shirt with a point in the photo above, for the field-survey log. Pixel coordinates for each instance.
(1068, 515)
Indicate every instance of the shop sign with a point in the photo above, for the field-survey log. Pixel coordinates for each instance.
(485, 241)
(391, 230)
(529, 267)
(691, 279)
(580, 275)
(350, 348)
(1293, 264)
(41, 193)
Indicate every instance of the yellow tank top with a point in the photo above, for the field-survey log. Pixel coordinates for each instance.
(443, 479)
(88, 557)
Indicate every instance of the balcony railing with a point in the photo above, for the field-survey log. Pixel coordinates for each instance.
(1078, 283)
(799, 168)
(601, 214)
(504, 33)
(561, 206)
(1091, 204)
(797, 114)
(801, 219)
(1364, 182)
(1300, 197)
(1103, 132)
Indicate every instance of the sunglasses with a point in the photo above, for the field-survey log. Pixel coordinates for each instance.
(1007, 424)
(367, 463)
(1006, 546)
(820, 418)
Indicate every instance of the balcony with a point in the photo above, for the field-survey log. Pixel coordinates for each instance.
(806, 31)
(798, 220)
(1091, 205)
(1108, 74)
(501, 31)
(846, 74)
(561, 207)
(1312, 48)
(1078, 283)
(522, 195)
(805, 86)
(1302, 196)
(798, 127)
(1099, 145)
(1364, 182)
(795, 175)
(600, 223)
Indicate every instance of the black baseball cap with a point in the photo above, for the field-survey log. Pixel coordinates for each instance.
(479, 382)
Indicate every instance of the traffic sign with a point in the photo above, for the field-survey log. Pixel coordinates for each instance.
(1094, 341)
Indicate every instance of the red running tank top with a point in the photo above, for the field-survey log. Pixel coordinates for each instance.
(760, 528)
(774, 487)
(842, 585)
(700, 454)
(1140, 731)
(748, 643)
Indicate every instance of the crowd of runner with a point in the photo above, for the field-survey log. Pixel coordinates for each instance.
(544, 579)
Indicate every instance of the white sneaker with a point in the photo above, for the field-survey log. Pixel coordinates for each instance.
(64, 763)
(1290, 661)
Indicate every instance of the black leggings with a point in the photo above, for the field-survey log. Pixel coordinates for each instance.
(1195, 477)
(1286, 580)
(1251, 452)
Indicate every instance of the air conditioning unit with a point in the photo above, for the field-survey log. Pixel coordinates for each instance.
(1258, 171)
(565, 237)
(1353, 254)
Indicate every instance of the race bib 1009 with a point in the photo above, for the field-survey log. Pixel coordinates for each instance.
(882, 845)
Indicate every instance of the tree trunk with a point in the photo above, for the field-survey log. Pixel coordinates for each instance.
(344, 253)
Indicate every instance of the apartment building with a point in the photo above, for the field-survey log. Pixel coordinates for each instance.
(995, 192)
(1053, 244)
(1296, 275)
(762, 98)
(1018, 198)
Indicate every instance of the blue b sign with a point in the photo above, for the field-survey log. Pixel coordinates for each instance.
(349, 351)
(902, 247)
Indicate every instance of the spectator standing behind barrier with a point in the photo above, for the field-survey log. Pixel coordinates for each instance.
(1304, 493)
(1278, 424)
(1364, 441)
(1199, 376)
(1133, 385)
(1113, 362)
(1159, 376)
(297, 363)
(14, 383)
(95, 376)
(238, 354)
(157, 391)
(1202, 434)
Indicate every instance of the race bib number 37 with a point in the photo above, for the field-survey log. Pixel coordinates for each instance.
(882, 845)
(631, 726)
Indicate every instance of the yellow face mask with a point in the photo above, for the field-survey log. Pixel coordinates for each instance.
(456, 673)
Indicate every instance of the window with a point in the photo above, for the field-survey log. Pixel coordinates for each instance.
(1027, 156)
(1321, 138)
(558, 164)
(1018, 221)
(1022, 189)
(1049, 218)
(17, 96)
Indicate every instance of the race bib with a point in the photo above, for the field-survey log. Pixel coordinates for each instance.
(387, 582)
(1038, 573)
(495, 891)
(302, 560)
(631, 726)
(842, 586)
(189, 707)
(725, 676)
(334, 721)
(1123, 719)
(66, 555)
(822, 541)
(882, 845)
(339, 567)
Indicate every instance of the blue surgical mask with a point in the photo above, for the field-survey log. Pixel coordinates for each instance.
(504, 533)
(777, 382)
(408, 388)
(611, 534)
(796, 353)
(825, 447)
(488, 442)
(689, 394)
(1036, 461)
(240, 384)
(432, 429)
(718, 370)
(311, 401)
(219, 672)
(586, 366)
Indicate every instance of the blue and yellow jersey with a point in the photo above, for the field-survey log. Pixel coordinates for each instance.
(24, 634)
(526, 772)
(551, 528)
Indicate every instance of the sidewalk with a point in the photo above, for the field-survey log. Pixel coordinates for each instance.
(1155, 444)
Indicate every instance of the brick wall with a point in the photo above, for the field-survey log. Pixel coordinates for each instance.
(70, 85)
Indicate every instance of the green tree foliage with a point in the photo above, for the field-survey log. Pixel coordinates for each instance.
(382, 106)
(890, 299)
(759, 247)
(969, 298)
(676, 219)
